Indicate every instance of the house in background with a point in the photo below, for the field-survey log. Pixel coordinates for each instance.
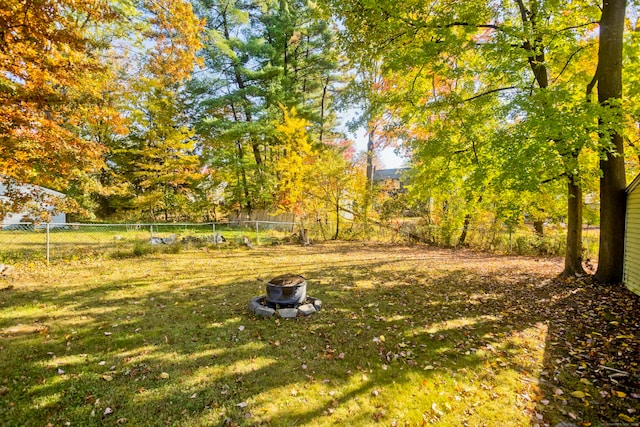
(391, 179)
(11, 219)
(631, 275)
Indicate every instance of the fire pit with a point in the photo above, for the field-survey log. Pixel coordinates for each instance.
(286, 291)
(287, 296)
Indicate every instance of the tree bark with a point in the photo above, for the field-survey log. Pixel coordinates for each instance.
(465, 230)
(613, 181)
(335, 237)
(538, 226)
(237, 73)
(573, 255)
(535, 55)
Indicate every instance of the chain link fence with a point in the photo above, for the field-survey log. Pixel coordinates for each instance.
(73, 241)
(24, 242)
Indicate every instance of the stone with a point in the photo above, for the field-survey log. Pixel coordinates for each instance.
(307, 309)
(317, 304)
(287, 313)
(263, 311)
(254, 303)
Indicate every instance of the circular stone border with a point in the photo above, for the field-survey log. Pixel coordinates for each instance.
(258, 306)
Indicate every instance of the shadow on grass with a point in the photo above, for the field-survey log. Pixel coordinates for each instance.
(409, 335)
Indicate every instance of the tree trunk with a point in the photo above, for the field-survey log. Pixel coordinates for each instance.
(612, 182)
(465, 229)
(573, 255)
(337, 221)
(245, 100)
(538, 226)
(370, 155)
(536, 58)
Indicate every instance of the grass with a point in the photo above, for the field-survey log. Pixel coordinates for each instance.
(409, 335)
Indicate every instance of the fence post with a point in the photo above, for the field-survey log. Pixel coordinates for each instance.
(48, 252)
(257, 234)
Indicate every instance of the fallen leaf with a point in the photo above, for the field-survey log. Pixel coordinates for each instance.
(242, 404)
(108, 411)
(107, 378)
(579, 394)
(618, 393)
(164, 375)
(626, 418)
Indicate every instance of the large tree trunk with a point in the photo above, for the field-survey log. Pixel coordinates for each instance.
(535, 50)
(573, 255)
(613, 182)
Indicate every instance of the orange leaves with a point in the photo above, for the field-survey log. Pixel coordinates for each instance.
(48, 71)
(175, 32)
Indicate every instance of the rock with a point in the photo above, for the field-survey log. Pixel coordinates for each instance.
(6, 270)
(287, 313)
(254, 303)
(307, 309)
(317, 304)
(263, 311)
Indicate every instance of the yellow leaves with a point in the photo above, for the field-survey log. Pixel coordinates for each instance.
(626, 418)
(579, 394)
(295, 163)
(620, 394)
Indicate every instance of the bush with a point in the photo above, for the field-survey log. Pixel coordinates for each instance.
(141, 248)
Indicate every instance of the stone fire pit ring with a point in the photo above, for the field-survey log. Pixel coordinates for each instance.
(286, 295)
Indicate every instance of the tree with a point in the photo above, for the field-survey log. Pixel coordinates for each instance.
(258, 56)
(333, 182)
(294, 161)
(156, 160)
(51, 75)
(612, 184)
(524, 58)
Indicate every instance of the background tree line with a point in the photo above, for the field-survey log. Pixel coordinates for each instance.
(173, 110)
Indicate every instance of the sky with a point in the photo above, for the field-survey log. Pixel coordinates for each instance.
(388, 158)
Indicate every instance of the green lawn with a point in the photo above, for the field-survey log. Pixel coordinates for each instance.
(409, 335)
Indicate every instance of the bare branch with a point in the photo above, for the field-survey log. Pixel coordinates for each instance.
(568, 61)
(489, 93)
